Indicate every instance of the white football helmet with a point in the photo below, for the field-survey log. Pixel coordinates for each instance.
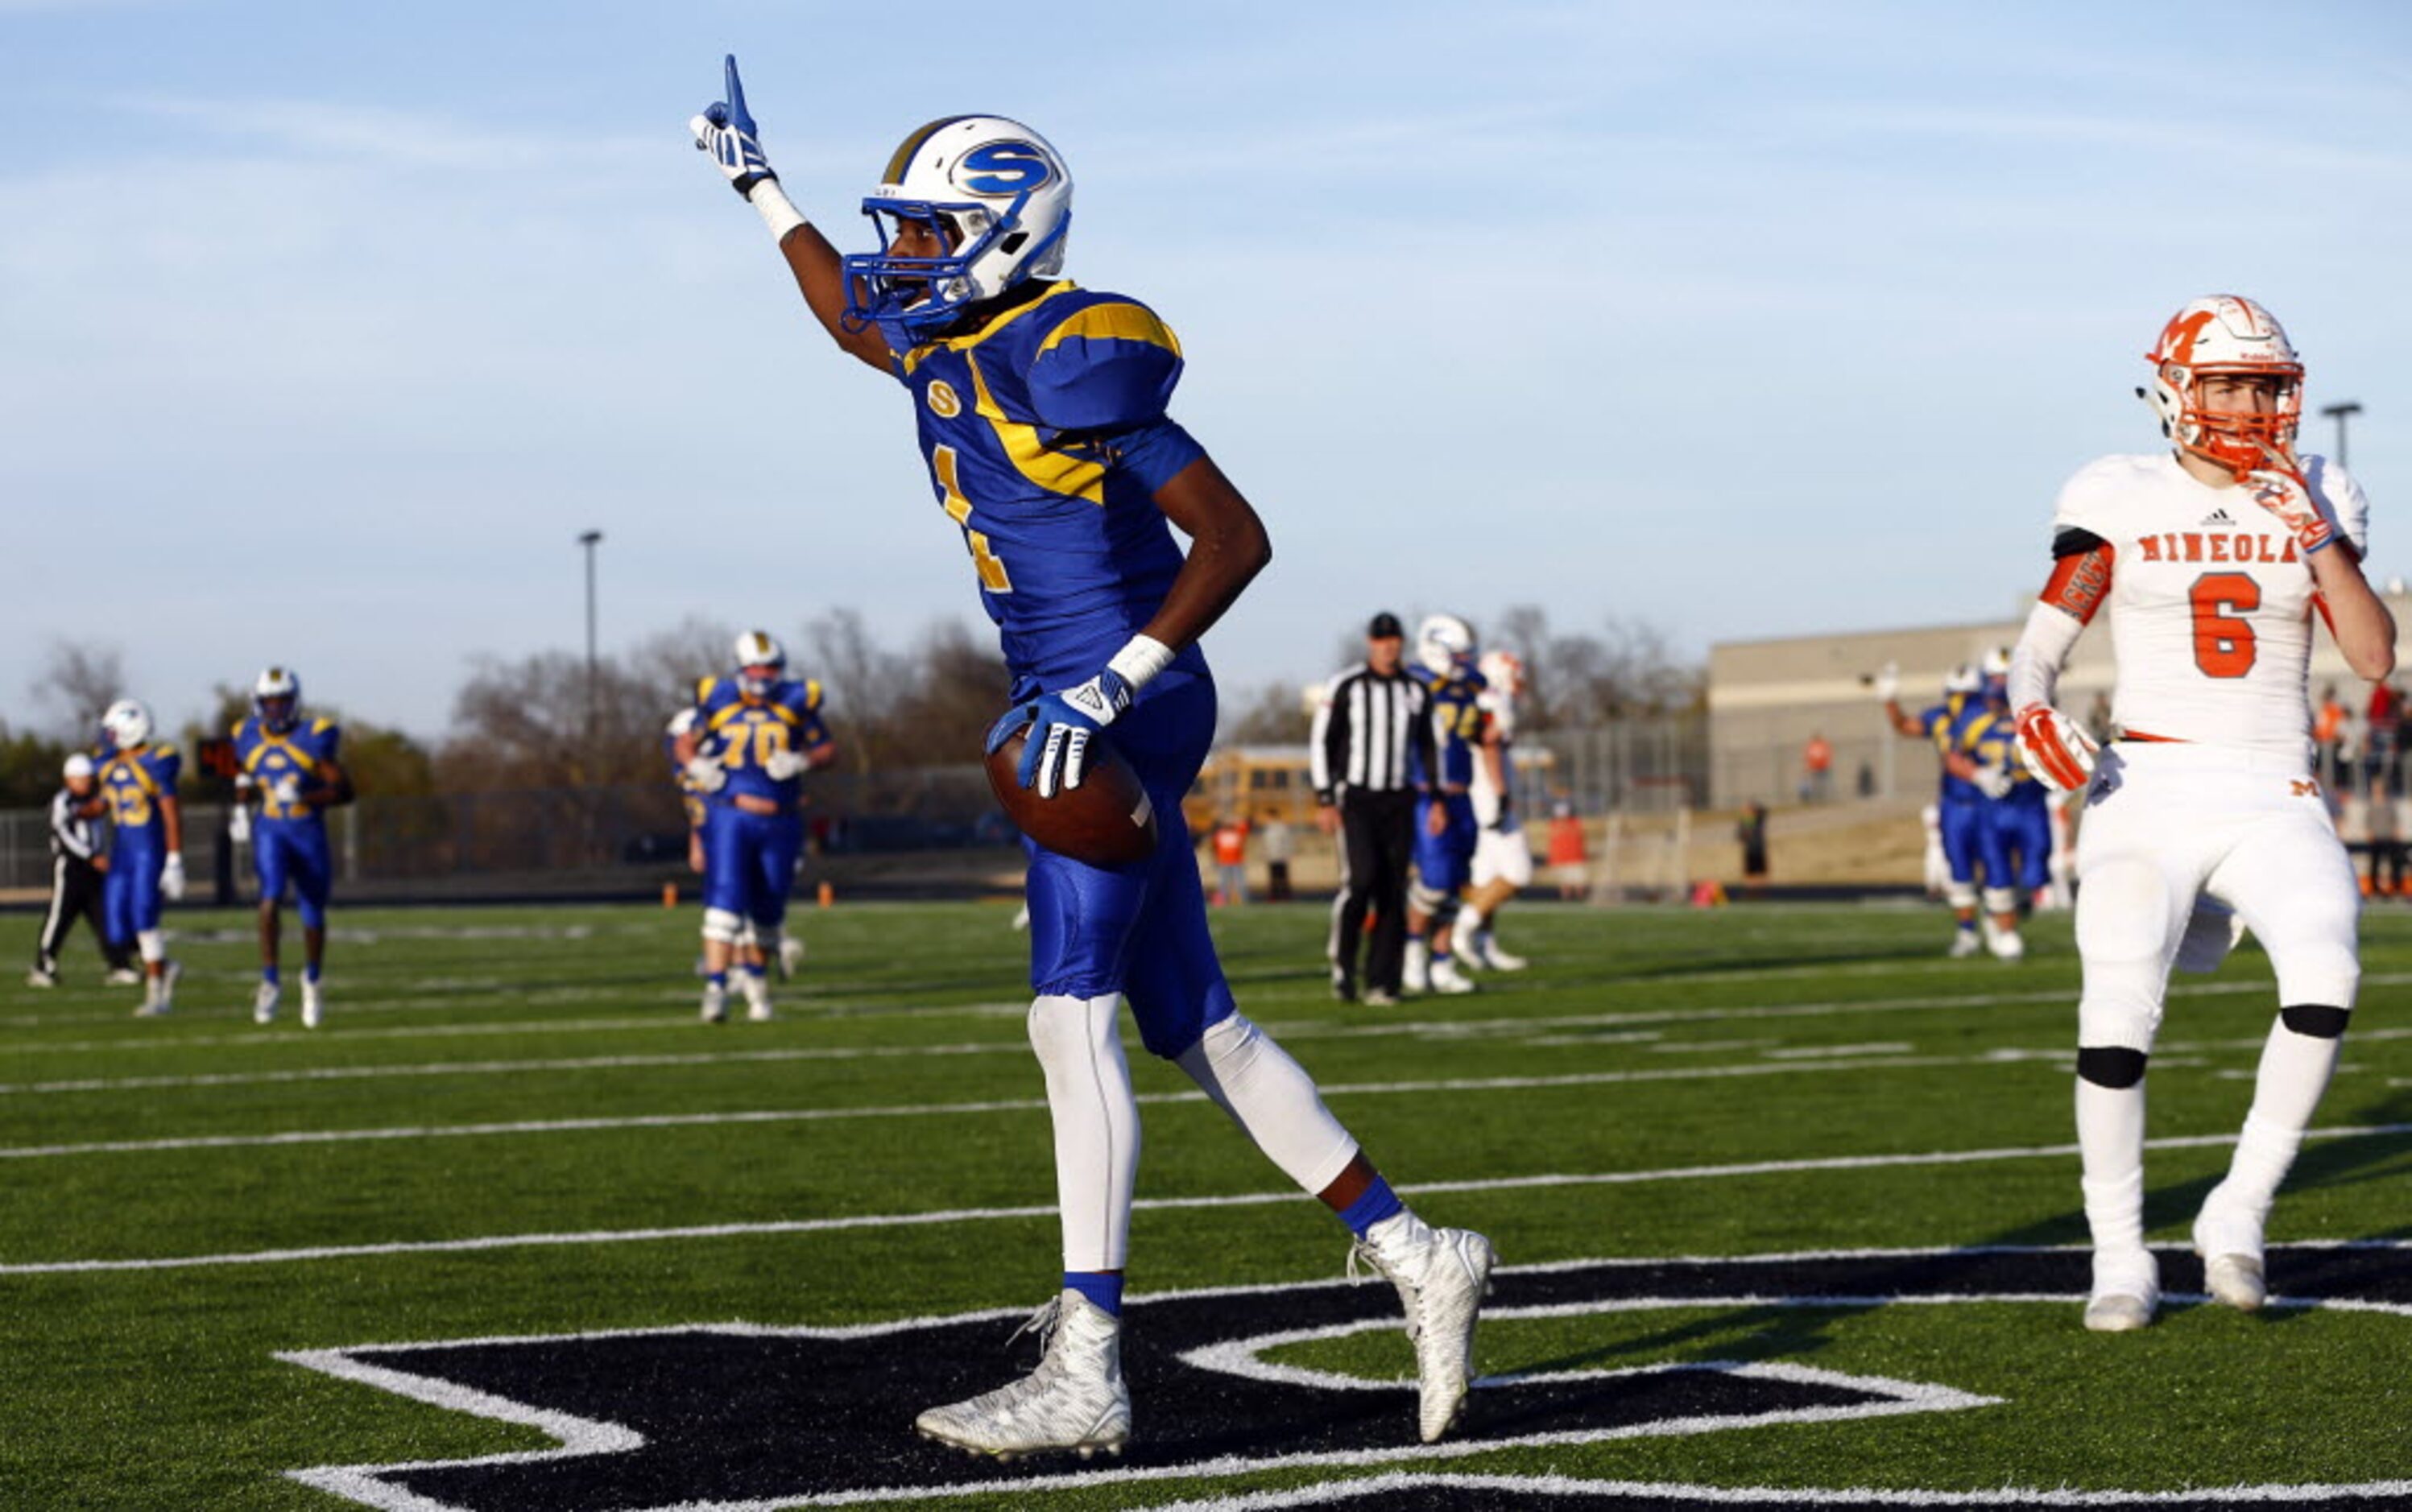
(1996, 667)
(993, 191)
(2225, 333)
(1504, 671)
(128, 723)
(1964, 678)
(758, 648)
(276, 697)
(1445, 644)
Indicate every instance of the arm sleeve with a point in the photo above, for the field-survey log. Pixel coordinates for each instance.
(1107, 367)
(1420, 736)
(1328, 736)
(2042, 649)
(330, 739)
(171, 763)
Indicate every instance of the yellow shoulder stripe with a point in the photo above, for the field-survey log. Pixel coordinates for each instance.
(1114, 322)
(812, 693)
(1055, 471)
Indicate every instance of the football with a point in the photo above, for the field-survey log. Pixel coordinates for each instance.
(1106, 821)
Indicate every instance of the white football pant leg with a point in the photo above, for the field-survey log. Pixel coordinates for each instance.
(1272, 1099)
(1096, 1125)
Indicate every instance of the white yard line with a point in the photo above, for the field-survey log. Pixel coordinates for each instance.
(965, 1215)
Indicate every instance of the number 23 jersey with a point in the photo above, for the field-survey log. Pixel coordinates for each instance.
(1047, 438)
(2210, 604)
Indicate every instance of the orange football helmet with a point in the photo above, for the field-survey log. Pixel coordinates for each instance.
(2224, 335)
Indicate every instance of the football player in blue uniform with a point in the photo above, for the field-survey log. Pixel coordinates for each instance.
(1041, 412)
(1446, 832)
(287, 767)
(146, 861)
(1962, 799)
(754, 736)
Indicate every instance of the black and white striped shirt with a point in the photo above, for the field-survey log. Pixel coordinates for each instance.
(71, 833)
(1366, 734)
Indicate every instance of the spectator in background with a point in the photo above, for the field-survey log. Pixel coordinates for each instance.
(2328, 735)
(1816, 769)
(1569, 863)
(2383, 824)
(1752, 832)
(1230, 841)
(1279, 845)
(2381, 755)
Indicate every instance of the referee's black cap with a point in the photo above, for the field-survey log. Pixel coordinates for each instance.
(1385, 626)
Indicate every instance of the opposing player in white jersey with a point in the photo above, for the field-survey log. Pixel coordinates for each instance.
(2212, 559)
(1502, 863)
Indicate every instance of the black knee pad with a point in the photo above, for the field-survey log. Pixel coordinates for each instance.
(2110, 1066)
(2315, 1021)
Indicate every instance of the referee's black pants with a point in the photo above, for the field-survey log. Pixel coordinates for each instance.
(1377, 835)
(75, 894)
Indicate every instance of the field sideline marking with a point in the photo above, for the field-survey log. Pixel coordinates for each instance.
(1373, 1490)
(908, 1220)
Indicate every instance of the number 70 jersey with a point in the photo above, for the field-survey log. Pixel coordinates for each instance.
(2211, 606)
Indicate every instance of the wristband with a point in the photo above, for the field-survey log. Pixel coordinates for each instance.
(1138, 662)
(777, 211)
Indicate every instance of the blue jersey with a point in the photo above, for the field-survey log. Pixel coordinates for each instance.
(298, 761)
(1946, 725)
(745, 733)
(1993, 741)
(1047, 438)
(1458, 722)
(133, 782)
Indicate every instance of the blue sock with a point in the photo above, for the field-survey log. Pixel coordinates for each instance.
(719, 979)
(1097, 1286)
(310, 972)
(1377, 1203)
(268, 975)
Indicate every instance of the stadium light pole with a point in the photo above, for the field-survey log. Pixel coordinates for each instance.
(590, 540)
(2341, 413)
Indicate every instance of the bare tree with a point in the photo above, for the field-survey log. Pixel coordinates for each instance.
(80, 682)
(1277, 716)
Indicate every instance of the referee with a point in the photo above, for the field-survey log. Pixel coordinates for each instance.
(76, 867)
(1371, 744)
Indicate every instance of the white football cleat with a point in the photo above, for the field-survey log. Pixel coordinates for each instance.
(314, 1006)
(2127, 1292)
(40, 977)
(758, 997)
(2228, 1239)
(1964, 943)
(122, 976)
(2007, 946)
(715, 1003)
(264, 1002)
(792, 956)
(1445, 978)
(1418, 974)
(159, 993)
(1075, 1400)
(1442, 1274)
(1483, 949)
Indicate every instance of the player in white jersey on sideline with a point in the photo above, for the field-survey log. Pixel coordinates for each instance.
(2213, 558)
(1502, 863)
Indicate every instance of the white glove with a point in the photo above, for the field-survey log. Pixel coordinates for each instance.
(707, 775)
(239, 825)
(171, 877)
(2055, 748)
(287, 791)
(2280, 488)
(725, 130)
(1993, 781)
(1887, 681)
(783, 765)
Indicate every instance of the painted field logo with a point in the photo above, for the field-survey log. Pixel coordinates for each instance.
(735, 1417)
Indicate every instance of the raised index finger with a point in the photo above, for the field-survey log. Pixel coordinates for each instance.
(735, 89)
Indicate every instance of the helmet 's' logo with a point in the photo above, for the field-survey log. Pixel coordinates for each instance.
(1004, 169)
(943, 401)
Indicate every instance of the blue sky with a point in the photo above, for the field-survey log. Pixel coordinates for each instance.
(325, 328)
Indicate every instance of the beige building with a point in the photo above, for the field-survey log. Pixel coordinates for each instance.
(1768, 699)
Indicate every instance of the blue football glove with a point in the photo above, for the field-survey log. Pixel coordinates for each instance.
(1061, 726)
(725, 130)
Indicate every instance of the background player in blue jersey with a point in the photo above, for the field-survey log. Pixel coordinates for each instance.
(2018, 814)
(288, 767)
(754, 736)
(146, 861)
(1960, 800)
(1446, 832)
(1041, 412)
